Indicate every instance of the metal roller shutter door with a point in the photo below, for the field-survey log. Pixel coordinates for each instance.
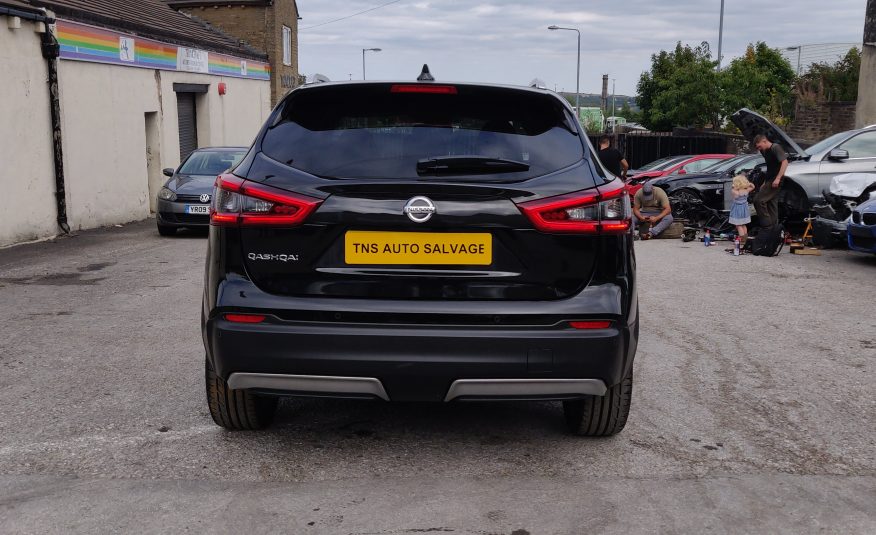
(188, 129)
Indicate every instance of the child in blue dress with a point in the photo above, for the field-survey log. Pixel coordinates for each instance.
(739, 213)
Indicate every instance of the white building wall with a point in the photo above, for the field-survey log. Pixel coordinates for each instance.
(103, 111)
(27, 176)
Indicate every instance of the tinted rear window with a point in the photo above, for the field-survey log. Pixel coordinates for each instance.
(367, 131)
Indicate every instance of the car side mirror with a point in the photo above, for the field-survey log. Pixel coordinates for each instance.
(838, 154)
(682, 172)
(169, 171)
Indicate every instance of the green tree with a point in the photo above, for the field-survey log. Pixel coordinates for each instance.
(681, 89)
(761, 80)
(832, 83)
(627, 113)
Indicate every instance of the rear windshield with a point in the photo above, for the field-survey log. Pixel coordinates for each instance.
(211, 162)
(369, 131)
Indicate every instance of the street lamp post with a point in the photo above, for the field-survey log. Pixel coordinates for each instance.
(799, 50)
(720, 35)
(613, 112)
(577, 72)
(363, 58)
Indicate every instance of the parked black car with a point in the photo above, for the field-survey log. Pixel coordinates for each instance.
(184, 201)
(709, 184)
(421, 242)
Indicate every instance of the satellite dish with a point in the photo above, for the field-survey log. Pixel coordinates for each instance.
(425, 75)
(319, 78)
(538, 83)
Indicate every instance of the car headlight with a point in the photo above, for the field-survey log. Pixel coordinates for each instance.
(166, 195)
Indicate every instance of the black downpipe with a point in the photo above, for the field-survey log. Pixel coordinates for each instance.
(51, 51)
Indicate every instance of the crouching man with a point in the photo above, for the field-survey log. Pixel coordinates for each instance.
(651, 205)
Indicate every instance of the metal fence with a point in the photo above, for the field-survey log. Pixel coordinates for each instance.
(641, 148)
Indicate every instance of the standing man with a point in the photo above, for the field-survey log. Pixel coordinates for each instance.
(766, 201)
(651, 205)
(612, 159)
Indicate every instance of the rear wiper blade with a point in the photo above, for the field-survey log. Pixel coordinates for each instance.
(468, 165)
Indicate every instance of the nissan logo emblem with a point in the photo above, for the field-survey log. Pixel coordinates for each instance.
(420, 209)
(205, 197)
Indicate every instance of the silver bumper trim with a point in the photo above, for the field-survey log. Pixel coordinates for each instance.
(524, 387)
(309, 383)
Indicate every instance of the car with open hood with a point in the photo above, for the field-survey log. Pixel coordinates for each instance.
(810, 171)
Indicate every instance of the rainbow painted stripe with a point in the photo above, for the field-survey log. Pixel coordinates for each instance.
(88, 43)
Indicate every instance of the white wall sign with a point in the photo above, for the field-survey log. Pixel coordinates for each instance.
(243, 67)
(192, 60)
(126, 49)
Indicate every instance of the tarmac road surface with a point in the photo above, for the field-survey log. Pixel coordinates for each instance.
(753, 411)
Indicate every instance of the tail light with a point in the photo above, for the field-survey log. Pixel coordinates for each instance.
(240, 202)
(583, 212)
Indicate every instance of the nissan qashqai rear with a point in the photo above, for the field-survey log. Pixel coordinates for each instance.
(420, 242)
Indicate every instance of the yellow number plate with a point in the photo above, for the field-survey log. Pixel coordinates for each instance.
(418, 248)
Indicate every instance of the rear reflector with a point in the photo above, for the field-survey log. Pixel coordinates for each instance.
(241, 202)
(603, 211)
(245, 318)
(431, 89)
(590, 324)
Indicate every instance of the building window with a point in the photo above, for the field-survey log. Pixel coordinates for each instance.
(287, 45)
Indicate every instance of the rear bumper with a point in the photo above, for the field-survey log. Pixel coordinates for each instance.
(426, 362)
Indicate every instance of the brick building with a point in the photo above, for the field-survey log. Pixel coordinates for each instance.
(270, 26)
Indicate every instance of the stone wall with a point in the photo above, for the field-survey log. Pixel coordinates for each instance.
(816, 121)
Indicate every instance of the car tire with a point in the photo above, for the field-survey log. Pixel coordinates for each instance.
(237, 410)
(600, 416)
(166, 230)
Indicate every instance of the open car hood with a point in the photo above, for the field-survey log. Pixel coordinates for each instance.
(752, 124)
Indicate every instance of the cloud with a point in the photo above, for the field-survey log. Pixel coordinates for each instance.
(508, 41)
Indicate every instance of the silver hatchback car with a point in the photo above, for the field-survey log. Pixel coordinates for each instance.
(810, 171)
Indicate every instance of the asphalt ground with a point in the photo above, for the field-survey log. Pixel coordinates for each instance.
(753, 411)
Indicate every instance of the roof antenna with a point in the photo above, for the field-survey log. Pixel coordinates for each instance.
(425, 75)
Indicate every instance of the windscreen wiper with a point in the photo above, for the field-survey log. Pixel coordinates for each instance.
(468, 165)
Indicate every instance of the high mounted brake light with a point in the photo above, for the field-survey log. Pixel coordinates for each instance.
(423, 88)
(606, 211)
(240, 202)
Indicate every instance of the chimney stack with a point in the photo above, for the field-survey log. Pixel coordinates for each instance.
(604, 93)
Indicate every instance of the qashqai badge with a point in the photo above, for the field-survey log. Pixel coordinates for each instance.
(205, 197)
(420, 209)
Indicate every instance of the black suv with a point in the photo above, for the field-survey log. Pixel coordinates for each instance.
(421, 242)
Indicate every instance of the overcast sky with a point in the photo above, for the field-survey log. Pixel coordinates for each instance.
(507, 41)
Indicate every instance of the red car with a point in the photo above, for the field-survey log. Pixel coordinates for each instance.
(673, 165)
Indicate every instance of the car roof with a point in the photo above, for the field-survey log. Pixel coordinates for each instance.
(363, 83)
(704, 156)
